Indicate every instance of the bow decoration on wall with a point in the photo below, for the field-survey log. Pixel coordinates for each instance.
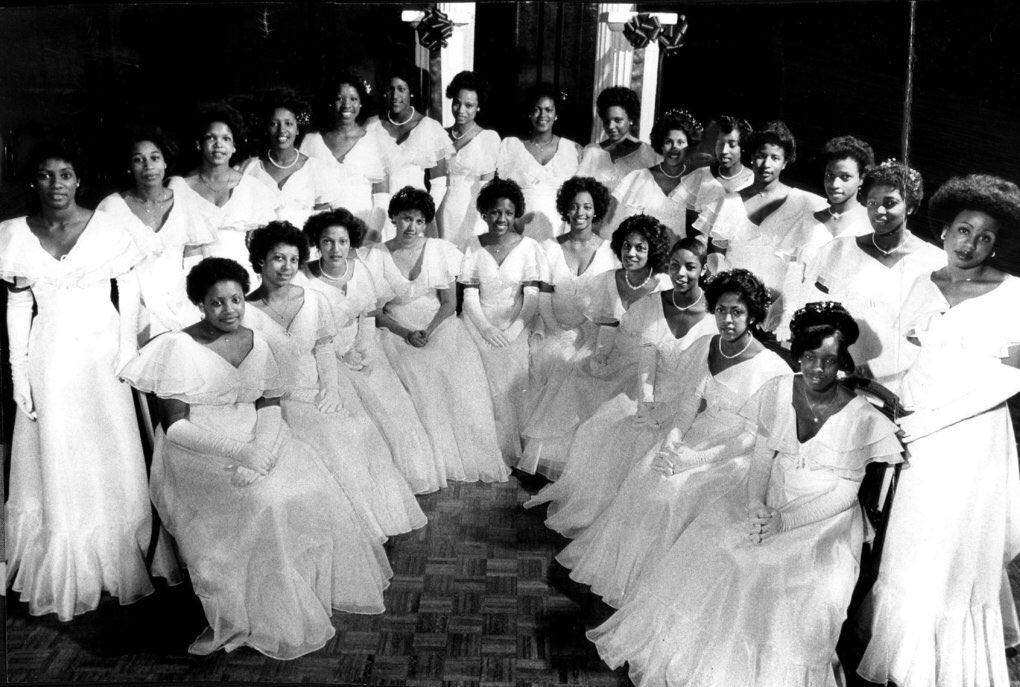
(642, 29)
(672, 38)
(434, 29)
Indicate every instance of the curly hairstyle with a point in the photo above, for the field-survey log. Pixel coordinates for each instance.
(542, 90)
(500, 188)
(54, 150)
(340, 217)
(728, 123)
(324, 116)
(263, 239)
(906, 180)
(653, 231)
(849, 147)
(753, 293)
(619, 96)
(208, 114)
(467, 81)
(212, 271)
(775, 133)
(600, 196)
(676, 120)
(692, 245)
(815, 322)
(283, 99)
(155, 136)
(989, 194)
(411, 198)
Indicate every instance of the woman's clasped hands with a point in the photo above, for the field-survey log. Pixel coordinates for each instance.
(763, 522)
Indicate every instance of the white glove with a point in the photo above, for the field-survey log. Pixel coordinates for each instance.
(19, 326)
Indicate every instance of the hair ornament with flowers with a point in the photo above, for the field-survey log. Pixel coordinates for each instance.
(688, 121)
(897, 175)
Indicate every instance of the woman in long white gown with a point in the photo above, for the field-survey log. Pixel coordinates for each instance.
(607, 370)
(319, 402)
(300, 183)
(872, 274)
(77, 519)
(657, 190)
(271, 544)
(349, 288)
(701, 445)
(231, 202)
(759, 227)
(704, 186)
(501, 273)
(609, 161)
(473, 163)
(942, 600)
(358, 160)
(540, 164)
(755, 589)
(183, 232)
(428, 346)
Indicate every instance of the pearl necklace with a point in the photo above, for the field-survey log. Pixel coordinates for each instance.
(682, 308)
(390, 117)
(738, 353)
(325, 275)
(626, 278)
(274, 163)
(670, 176)
(454, 136)
(723, 176)
(891, 250)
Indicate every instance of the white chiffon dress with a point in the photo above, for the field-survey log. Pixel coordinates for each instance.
(874, 294)
(77, 519)
(942, 599)
(597, 162)
(650, 510)
(377, 384)
(350, 180)
(717, 610)
(251, 205)
(299, 193)
(421, 149)
(605, 445)
(501, 294)
(349, 442)
(161, 278)
(445, 378)
(458, 218)
(701, 189)
(271, 559)
(539, 183)
(639, 194)
(572, 394)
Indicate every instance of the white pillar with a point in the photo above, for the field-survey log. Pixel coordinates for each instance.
(649, 90)
(459, 55)
(613, 59)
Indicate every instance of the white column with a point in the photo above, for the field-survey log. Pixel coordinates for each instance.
(459, 55)
(613, 59)
(649, 89)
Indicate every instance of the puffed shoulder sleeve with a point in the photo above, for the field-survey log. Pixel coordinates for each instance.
(759, 411)
(490, 151)
(724, 219)
(444, 264)
(534, 266)
(325, 326)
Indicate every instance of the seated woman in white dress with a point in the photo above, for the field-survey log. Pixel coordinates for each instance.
(539, 164)
(301, 183)
(318, 401)
(620, 307)
(846, 160)
(759, 227)
(574, 259)
(605, 445)
(356, 158)
(656, 191)
(872, 274)
(755, 589)
(427, 345)
(231, 202)
(349, 288)
(183, 231)
(422, 142)
(271, 544)
(501, 273)
(612, 159)
(472, 164)
(77, 520)
(728, 173)
(942, 600)
(701, 448)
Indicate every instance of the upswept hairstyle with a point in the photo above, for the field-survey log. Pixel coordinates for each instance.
(815, 322)
(539, 91)
(411, 198)
(340, 217)
(600, 196)
(283, 99)
(694, 246)
(619, 96)
(211, 271)
(325, 116)
(467, 81)
(264, 238)
(843, 147)
(906, 180)
(775, 133)
(753, 293)
(500, 188)
(653, 231)
(671, 120)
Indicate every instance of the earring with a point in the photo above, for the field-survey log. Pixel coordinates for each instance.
(993, 254)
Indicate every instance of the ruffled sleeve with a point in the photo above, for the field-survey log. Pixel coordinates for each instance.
(441, 265)
(533, 266)
(325, 327)
(472, 269)
(439, 145)
(724, 220)
(488, 151)
(506, 165)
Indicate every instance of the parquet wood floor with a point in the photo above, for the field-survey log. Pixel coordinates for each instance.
(476, 601)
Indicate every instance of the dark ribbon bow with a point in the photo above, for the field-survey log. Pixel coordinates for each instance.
(672, 38)
(434, 29)
(642, 29)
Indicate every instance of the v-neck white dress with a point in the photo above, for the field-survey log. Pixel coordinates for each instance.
(539, 183)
